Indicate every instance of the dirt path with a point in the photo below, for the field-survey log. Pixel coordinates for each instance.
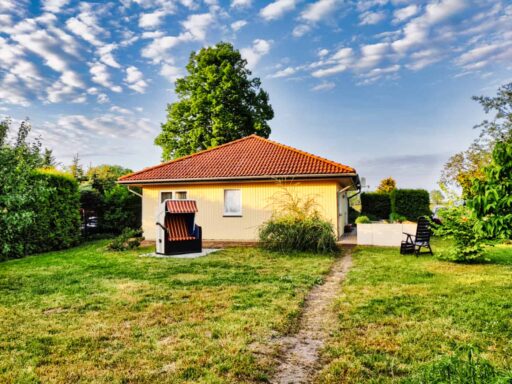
(301, 351)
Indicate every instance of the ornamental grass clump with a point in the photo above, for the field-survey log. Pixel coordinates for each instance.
(296, 225)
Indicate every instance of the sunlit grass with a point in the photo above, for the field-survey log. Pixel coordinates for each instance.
(414, 320)
(88, 315)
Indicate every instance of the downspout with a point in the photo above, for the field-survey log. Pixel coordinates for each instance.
(358, 185)
(135, 193)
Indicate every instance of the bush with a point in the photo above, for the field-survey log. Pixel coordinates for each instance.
(352, 215)
(459, 224)
(56, 224)
(128, 239)
(291, 233)
(411, 203)
(397, 218)
(297, 226)
(375, 204)
(121, 209)
(363, 220)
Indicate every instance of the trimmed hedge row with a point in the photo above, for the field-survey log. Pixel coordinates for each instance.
(410, 203)
(375, 205)
(56, 224)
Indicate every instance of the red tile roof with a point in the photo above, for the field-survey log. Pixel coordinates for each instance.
(251, 156)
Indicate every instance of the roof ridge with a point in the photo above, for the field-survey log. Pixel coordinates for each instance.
(316, 157)
(186, 157)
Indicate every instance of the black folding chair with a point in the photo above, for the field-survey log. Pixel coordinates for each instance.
(414, 243)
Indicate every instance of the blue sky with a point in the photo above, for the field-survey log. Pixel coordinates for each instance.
(381, 85)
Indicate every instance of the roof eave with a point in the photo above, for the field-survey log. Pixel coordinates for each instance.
(239, 178)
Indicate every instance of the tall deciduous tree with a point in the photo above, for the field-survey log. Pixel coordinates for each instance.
(436, 197)
(492, 201)
(218, 102)
(464, 167)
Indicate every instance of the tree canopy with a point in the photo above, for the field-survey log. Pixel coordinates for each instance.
(466, 166)
(492, 201)
(218, 102)
(386, 185)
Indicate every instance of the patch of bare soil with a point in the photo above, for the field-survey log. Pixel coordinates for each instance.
(299, 360)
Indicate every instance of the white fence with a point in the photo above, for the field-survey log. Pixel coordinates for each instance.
(390, 235)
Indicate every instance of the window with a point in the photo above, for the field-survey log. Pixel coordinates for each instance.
(180, 195)
(165, 196)
(232, 202)
(169, 195)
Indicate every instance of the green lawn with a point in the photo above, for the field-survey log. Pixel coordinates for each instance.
(88, 315)
(404, 319)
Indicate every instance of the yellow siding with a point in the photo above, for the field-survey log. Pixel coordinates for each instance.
(258, 199)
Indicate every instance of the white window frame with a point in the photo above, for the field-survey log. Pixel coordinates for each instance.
(173, 191)
(232, 214)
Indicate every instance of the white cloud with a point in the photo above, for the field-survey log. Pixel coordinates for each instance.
(135, 79)
(417, 30)
(12, 91)
(301, 30)
(241, 3)
(106, 56)
(171, 72)
(151, 20)
(343, 54)
(339, 62)
(196, 25)
(103, 98)
(101, 76)
(284, 72)
(79, 133)
(372, 54)
(277, 9)
(324, 86)
(158, 49)
(323, 52)
(402, 14)
(254, 53)
(238, 25)
(424, 58)
(86, 27)
(319, 10)
(338, 68)
(194, 29)
(117, 109)
(370, 18)
(54, 5)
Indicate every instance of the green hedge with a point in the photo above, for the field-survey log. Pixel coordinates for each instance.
(56, 224)
(377, 205)
(411, 203)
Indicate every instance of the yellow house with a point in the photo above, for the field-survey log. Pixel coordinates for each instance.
(235, 186)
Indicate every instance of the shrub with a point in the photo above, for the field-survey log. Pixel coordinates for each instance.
(121, 209)
(19, 195)
(128, 239)
(375, 204)
(397, 218)
(352, 215)
(459, 223)
(297, 226)
(289, 233)
(363, 220)
(411, 203)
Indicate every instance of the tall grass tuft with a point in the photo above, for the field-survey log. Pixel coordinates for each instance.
(296, 225)
(462, 368)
